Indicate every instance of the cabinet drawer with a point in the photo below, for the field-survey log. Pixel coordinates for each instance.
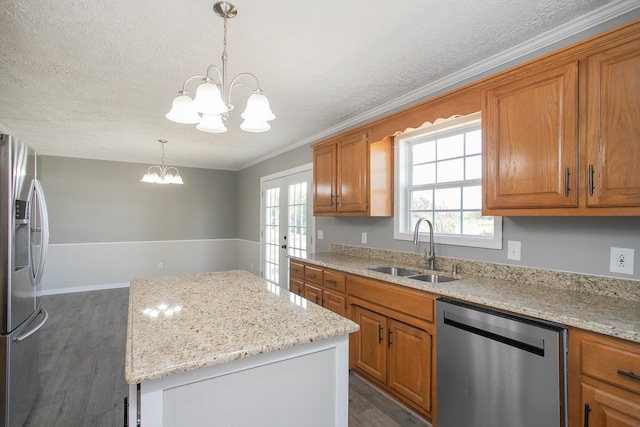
(404, 300)
(333, 281)
(296, 269)
(313, 275)
(611, 364)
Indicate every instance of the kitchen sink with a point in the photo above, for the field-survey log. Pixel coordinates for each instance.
(412, 274)
(433, 278)
(394, 271)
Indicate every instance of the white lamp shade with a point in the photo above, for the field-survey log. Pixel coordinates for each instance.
(208, 99)
(212, 123)
(150, 177)
(255, 125)
(177, 178)
(183, 111)
(258, 109)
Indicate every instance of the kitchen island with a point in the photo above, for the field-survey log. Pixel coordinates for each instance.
(229, 348)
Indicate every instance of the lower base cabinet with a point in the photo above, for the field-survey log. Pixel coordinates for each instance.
(394, 346)
(604, 381)
(410, 362)
(320, 286)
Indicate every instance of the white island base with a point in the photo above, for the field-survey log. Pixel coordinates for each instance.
(305, 385)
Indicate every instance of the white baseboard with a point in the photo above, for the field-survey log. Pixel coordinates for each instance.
(83, 289)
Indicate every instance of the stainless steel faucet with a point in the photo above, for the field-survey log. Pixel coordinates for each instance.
(429, 257)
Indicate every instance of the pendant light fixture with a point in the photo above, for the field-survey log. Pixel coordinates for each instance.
(211, 106)
(161, 174)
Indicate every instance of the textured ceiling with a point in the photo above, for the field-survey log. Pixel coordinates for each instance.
(94, 79)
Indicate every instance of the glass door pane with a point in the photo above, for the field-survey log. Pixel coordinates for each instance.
(287, 224)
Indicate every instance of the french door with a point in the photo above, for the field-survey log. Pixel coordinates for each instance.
(287, 223)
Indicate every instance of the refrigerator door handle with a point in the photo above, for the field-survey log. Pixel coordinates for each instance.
(24, 336)
(38, 192)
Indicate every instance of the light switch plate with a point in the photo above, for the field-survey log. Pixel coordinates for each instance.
(364, 237)
(621, 260)
(320, 234)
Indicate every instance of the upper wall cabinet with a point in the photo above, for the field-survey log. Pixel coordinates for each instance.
(353, 177)
(613, 126)
(561, 136)
(530, 126)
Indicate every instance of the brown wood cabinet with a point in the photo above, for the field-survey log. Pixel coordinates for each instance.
(352, 176)
(296, 278)
(613, 126)
(320, 286)
(530, 128)
(604, 381)
(370, 349)
(561, 134)
(394, 347)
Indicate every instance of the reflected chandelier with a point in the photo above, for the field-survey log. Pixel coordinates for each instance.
(161, 174)
(212, 103)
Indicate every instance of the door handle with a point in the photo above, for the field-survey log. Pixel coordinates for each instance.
(284, 246)
(389, 338)
(629, 374)
(587, 409)
(380, 328)
(23, 337)
(37, 192)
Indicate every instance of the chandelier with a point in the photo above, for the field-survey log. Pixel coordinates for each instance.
(161, 174)
(212, 103)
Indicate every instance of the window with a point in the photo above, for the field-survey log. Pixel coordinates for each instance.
(439, 176)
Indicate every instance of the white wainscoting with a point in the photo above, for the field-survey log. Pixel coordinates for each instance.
(81, 267)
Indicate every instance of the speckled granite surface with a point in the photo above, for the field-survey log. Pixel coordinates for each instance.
(181, 323)
(556, 297)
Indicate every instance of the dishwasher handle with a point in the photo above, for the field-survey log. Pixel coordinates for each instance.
(511, 338)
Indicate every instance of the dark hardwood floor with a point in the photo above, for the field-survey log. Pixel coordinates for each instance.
(82, 369)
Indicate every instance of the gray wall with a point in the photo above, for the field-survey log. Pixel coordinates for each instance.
(101, 201)
(580, 245)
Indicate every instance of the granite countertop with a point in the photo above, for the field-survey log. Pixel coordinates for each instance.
(180, 323)
(609, 315)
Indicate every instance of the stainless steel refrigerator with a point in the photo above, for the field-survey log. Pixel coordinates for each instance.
(24, 237)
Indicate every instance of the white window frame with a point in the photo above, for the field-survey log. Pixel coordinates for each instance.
(401, 199)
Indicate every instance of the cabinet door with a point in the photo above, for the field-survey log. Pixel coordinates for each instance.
(324, 179)
(313, 293)
(410, 362)
(352, 174)
(371, 343)
(531, 141)
(605, 409)
(296, 286)
(335, 302)
(613, 130)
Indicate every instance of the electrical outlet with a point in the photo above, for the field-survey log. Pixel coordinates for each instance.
(160, 265)
(513, 250)
(364, 237)
(621, 260)
(320, 234)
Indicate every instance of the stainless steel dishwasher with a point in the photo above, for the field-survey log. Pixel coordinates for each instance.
(497, 370)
